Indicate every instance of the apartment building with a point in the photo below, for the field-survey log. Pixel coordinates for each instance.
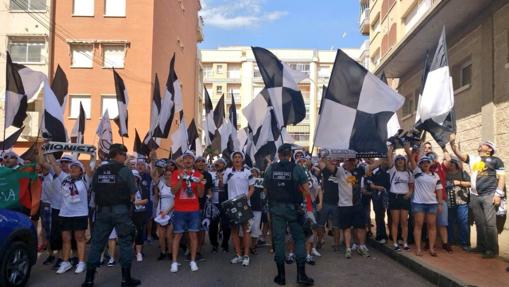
(25, 32)
(233, 71)
(137, 39)
(400, 33)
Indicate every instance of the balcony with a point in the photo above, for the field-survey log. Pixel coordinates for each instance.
(199, 30)
(364, 22)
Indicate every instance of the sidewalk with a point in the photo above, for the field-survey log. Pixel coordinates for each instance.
(457, 269)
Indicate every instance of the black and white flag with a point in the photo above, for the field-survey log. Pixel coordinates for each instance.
(122, 102)
(105, 136)
(281, 84)
(172, 101)
(78, 131)
(435, 110)
(139, 147)
(209, 119)
(155, 109)
(266, 139)
(233, 143)
(362, 103)
(393, 126)
(192, 136)
(11, 139)
(179, 140)
(54, 106)
(222, 133)
(22, 84)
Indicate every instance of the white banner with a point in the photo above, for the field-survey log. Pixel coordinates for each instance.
(53, 147)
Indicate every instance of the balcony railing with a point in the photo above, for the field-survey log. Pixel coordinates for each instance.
(364, 22)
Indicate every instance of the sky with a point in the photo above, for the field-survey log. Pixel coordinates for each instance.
(311, 24)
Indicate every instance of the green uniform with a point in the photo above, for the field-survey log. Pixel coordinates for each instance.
(113, 212)
(282, 181)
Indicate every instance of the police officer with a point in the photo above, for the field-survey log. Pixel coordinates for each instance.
(114, 187)
(285, 182)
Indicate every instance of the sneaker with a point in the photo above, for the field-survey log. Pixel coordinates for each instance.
(174, 267)
(80, 267)
(447, 247)
(64, 267)
(396, 247)
(139, 257)
(382, 241)
(315, 252)
(194, 266)
(405, 247)
(354, 247)
(49, 260)
(363, 251)
(348, 253)
(310, 260)
(245, 261)
(162, 256)
(57, 264)
(111, 262)
(236, 259)
(290, 258)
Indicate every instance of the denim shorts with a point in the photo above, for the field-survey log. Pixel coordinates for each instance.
(186, 221)
(328, 212)
(424, 207)
(442, 217)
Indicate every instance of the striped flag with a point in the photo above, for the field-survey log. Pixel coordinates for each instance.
(122, 101)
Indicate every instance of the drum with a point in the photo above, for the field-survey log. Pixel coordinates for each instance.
(237, 209)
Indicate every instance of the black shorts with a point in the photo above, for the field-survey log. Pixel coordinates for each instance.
(398, 202)
(351, 216)
(74, 223)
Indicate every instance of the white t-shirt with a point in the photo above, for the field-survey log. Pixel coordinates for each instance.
(56, 196)
(238, 181)
(345, 189)
(215, 184)
(75, 199)
(166, 197)
(400, 181)
(47, 188)
(425, 187)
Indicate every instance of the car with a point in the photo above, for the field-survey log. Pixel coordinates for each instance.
(18, 248)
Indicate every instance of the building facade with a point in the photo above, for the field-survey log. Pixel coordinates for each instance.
(233, 71)
(400, 33)
(138, 39)
(25, 31)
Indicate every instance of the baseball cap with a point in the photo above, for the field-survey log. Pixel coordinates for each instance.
(188, 153)
(237, 152)
(490, 144)
(423, 159)
(77, 163)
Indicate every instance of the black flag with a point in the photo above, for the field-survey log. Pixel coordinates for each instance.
(122, 101)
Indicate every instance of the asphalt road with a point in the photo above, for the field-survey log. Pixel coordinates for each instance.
(332, 269)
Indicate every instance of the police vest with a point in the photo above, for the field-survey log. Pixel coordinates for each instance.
(109, 188)
(282, 186)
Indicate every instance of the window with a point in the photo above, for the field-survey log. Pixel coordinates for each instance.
(74, 109)
(233, 72)
(324, 71)
(83, 8)
(113, 56)
(207, 71)
(109, 103)
(219, 90)
(417, 12)
(375, 27)
(219, 69)
(466, 74)
(27, 51)
(114, 8)
(236, 94)
(375, 60)
(408, 106)
(300, 136)
(27, 5)
(82, 56)
(302, 67)
(256, 72)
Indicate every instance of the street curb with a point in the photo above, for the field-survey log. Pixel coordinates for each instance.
(428, 272)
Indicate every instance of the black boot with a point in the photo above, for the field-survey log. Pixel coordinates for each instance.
(127, 281)
(280, 278)
(89, 278)
(302, 278)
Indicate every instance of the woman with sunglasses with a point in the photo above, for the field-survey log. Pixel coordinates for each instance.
(427, 200)
(164, 200)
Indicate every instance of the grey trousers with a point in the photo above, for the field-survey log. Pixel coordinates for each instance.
(485, 218)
